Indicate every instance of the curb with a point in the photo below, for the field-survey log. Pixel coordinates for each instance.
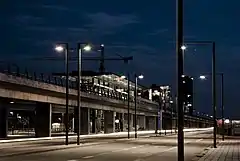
(204, 152)
(201, 154)
(47, 150)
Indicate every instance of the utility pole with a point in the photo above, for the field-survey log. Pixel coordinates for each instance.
(214, 94)
(222, 99)
(67, 91)
(179, 53)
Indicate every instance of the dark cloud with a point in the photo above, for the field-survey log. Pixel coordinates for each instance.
(27, 19)
(32, 28)
(158, 32)
(101, 20)
(56, 7)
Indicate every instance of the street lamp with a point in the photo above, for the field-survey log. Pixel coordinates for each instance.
(214, 97)
(59, 48)
(135, 101)
(64, 48)
(128, 91)
(180, 68)
(183, 47)
(80, 48)
(203, 77)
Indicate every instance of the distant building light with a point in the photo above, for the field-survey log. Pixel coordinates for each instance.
(123, 77)
(116, 121)
(11, 102)
(202, 77)
(227, 121)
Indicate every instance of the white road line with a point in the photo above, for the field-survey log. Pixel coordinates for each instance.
(102, 154)
(87, 157)
(139, 160)
(199, 140)
(147, 155)
(169, 149)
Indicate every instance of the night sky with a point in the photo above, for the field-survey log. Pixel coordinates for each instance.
(143, 30)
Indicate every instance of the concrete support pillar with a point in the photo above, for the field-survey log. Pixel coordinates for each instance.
(109, 121)
(142, 122)
(99, 121)
(76, 125)
(93, 120)
(125, 122)
(174, 123)
(43, 120)
(151, 122)
(131, 121)
(3, 121)
(121, 122)
(196, 124)
(85, 120)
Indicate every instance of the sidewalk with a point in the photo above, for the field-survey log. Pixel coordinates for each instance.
(116, 134)
(228, 150)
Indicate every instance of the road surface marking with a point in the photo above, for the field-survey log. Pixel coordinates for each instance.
(125, 149)
(199, 140)
(139, 160)
(102, 154)
(169, 149)
(87, 157)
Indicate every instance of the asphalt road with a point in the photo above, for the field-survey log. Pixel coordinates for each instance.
(150, 148)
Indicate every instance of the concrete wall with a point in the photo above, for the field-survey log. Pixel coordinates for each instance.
(24, 89)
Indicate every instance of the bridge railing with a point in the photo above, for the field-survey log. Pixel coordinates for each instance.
(13, 69)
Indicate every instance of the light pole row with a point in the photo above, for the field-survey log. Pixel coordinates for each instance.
(214, 98)
(63, 47)
(203, 77)
(179, 52)
(135, 101)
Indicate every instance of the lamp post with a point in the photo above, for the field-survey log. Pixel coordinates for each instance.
(102, 68)
(135, 101)
(203, 77)
(222, 98)
(171, 103)
(179, 54)
(80, 49)
(128, 91)
(214, 98)
(64, 48)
